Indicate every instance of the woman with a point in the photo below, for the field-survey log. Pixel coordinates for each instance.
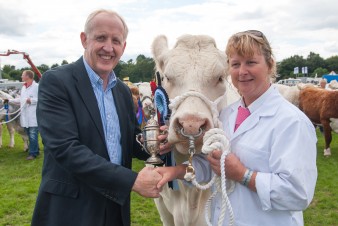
(273, 159)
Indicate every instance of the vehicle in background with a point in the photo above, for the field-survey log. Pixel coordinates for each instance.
(289, 81)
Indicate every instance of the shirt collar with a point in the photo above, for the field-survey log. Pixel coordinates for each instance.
(28, 84)
(257, 103)
(95, 78)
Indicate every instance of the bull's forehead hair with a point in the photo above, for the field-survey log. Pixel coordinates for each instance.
(196, 62)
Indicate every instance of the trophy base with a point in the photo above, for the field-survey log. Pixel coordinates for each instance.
(155, 161)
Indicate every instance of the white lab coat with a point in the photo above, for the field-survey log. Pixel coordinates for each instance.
(28, 111)
(279, 142)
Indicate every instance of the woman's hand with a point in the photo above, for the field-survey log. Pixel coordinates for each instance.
(165, 146)
(170, 173)
(234, 169)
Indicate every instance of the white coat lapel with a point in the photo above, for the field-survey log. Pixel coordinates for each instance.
(264, 108)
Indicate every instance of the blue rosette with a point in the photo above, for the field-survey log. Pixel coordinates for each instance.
(161, 101)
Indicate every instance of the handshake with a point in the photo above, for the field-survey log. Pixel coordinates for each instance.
(150, 181)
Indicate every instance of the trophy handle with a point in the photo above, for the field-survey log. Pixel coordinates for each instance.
(138, 140)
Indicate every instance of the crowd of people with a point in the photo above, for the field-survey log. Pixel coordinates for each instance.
(86, 119)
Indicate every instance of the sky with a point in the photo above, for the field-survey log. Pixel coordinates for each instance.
(49, 31)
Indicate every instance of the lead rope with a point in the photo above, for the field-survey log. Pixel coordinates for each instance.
(213, 139)
(12, 113)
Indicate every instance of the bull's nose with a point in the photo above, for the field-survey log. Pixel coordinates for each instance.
(191, 124)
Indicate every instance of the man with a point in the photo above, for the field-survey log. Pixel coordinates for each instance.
(28, 101)
(323, 83)
(88, 126)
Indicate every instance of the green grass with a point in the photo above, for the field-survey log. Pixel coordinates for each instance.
(20, 179)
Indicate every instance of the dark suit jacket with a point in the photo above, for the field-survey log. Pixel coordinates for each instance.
(80, 186)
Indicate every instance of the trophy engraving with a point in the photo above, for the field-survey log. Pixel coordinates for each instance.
(150, 142)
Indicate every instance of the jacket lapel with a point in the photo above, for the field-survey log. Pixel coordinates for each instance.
(88, 96)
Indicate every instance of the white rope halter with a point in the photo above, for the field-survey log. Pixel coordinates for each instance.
(12, 113)
(174, 103)
(212, 140)
(215, 139)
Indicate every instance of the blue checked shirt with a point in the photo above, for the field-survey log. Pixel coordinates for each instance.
(109, 117)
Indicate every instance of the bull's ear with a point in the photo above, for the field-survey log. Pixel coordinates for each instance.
(159, 48)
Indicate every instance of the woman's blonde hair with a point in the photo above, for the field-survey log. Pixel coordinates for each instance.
(247, 42)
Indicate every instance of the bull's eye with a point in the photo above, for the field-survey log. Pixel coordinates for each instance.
(220, 79)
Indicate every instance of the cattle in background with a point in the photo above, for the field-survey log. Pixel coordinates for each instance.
(136, 96)
(146, 98)
(320, 105)
(143, 101)
(333, 85)
(291, 93)
(334, 124)
(193, 74)
(13, 124)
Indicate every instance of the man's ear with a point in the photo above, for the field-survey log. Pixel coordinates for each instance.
(83, 38)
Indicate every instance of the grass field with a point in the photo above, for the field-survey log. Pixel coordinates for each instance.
(20, 179)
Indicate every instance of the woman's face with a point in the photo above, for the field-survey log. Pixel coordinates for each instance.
(250, 75)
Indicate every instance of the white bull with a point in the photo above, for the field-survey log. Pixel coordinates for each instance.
(193, 74)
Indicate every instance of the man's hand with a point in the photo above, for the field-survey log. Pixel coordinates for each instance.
(146, 183)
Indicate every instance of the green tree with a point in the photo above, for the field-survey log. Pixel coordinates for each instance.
(15, 75)
(285, 67)
(140, 71)
(144, 68)
(320, 72)
(43, 68)
(314, 61)
(64, 62)
(7, 68)
(55, 65)
(332, 63)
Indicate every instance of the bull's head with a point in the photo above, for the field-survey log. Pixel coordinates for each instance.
(193, 74)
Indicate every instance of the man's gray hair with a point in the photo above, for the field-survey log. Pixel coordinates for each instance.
(88, 27)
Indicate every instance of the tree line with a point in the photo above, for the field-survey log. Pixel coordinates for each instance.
(143, 68)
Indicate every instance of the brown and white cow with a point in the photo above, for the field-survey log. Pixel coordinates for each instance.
(193, 74)
(320, 105)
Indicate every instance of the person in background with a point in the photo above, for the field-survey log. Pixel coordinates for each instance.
(323, 83)
(273, 144)
(28, 101)
(88, 127)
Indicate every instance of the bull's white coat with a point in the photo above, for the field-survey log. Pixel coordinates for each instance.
(193, 65)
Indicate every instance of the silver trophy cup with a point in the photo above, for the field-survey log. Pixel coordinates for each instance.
(150, 142)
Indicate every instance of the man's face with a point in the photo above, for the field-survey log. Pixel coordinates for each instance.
(24, 77)
(104, 43)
